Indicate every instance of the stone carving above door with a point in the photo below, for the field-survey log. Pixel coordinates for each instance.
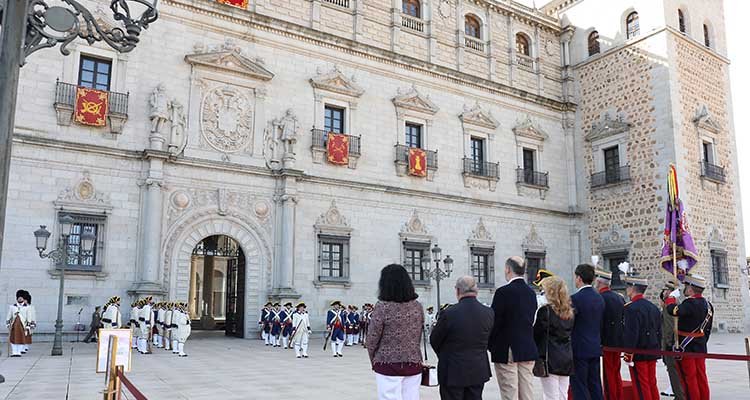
(84, 195)
(227, 119)
(221, 201)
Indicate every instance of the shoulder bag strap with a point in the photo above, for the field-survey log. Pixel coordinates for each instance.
(424, 341)
(549, 322)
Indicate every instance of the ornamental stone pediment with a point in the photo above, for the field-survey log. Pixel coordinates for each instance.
(607, 127)
(333, 221)
(413, 100)
(528, 129)
(481, 236)
(335, 81)
(704, 120)
(478, 116)
(415, 229)
(533, 243)
(229, 58)
(83, 195)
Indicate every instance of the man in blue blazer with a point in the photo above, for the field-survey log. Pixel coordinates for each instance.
(511, 342)
(586, 384)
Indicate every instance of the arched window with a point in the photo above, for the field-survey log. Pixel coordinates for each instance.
(681, 20)
(593, 43)
(632, 25)
(412, 8)
(522, 44)
(472, 27)
(706, 36)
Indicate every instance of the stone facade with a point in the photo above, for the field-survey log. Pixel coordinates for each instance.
(244, 162)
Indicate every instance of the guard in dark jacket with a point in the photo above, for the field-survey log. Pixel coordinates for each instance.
(586, 383)
(642, 321)
(694, 328)
(459, 339)
(611, 334)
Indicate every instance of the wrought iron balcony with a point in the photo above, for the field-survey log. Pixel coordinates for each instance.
(610, 177)
(320, 138)
(713, 172)
(481, 168)
(65, 102)
(402, 156)
(532, 178)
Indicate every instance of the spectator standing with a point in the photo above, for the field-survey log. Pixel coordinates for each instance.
(511, 343)
(612, 329)
(642, 321)
(667, 344)
(587, 342)
(393, 336)
(552, 333)
(96, 321)
(460, 341)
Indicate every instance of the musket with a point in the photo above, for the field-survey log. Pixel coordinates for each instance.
(330, 332)
(294, 332)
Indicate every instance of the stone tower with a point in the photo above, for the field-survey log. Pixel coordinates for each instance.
(651, 81)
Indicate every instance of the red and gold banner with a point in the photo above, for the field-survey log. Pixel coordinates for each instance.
(417, 162)
(235, 3)
(338, 148)
(91, 106)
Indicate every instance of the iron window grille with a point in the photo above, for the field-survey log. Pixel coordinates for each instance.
(333, 258)
(720, 269)
(532, 178)
(320, 139)
(402, 155)
(413, 253)
(65, 93)
(713, 172)
(94, 224)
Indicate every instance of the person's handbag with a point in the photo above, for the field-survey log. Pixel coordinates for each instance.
(429, 372)
(541, 369)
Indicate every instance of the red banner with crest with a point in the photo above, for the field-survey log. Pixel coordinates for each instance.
(91, 106)
(338, 148)
(417, 162)
(235, 3)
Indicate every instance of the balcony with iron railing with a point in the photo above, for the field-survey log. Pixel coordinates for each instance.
(474, 44)
(65, 102)
(415, 24)
(532, 178)
(610, 177)
(402, 156)
(319, 147)
(713, 172)
(525, 61)
(481, 169)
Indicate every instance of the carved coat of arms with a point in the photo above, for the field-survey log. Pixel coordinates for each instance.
(227, 119)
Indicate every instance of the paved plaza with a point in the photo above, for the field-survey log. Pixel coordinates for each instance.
(221, 368)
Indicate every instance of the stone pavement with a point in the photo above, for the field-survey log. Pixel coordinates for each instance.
(221, 368)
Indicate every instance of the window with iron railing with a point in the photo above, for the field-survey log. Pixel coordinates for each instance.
(713, 172)
(481, 168)
(65, 93)
(532, 178)
(340, 3)
(402, 155)
(94, 224)
(610, 176)
(320, 140)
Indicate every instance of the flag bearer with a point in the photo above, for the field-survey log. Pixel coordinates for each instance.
(695, 319)
(642, 322)
(335, 325)
(111, 318)
(286, 324)
(301, 331)
(612, 328)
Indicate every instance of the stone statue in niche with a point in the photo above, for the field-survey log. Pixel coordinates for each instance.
(159, 104)
(280, 138)
(177, 139)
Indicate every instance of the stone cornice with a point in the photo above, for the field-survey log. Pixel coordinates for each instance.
(345, 45)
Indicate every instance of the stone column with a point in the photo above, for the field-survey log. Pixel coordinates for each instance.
(286, 199)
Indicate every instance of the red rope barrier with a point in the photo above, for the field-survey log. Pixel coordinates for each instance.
(130, 386)
(713, 356)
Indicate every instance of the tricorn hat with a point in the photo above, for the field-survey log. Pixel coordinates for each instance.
(288, 304)
(301, 304)
(333, 303)
(540, 275)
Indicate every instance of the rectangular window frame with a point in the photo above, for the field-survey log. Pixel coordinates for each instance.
(414, 135)
(97, 62)
(97, 258)
(611, 261)
(343, 242)
(329, 121)
(484, 274)
(721, 271)
(411, 269)
(531, 273)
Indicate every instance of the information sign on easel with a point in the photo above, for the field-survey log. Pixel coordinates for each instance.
(122, 357)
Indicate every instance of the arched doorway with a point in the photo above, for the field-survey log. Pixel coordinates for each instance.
(217, 285)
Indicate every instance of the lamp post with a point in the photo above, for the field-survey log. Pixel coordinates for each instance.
(30, 25)
(61, 256)
(437, 273)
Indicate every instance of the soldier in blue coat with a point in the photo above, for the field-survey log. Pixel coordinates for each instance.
(642, 321)
(335, 325)
(264, 322)
(286, 324)
(275, 319)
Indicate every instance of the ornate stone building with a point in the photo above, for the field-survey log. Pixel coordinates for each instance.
(290, 149)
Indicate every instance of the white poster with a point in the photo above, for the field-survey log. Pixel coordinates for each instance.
(123, 348)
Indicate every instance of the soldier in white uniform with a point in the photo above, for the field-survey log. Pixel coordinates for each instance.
(111, 318)
(301, 330)
(167, 339)
(134, 327)
(30, 321)
(160, 313)
(145, 320)
(16, 321)
(181, 319)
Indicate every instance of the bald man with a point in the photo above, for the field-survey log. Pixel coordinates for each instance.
(459, 338)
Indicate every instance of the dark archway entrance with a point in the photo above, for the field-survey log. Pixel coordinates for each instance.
(217, 285)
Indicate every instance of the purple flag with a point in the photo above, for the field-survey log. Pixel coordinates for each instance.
(676, 231)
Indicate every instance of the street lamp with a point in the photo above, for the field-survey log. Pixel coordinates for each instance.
(61, 256)
(437, 273)
(30, 25)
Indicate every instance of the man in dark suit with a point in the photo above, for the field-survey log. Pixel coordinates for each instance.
(587, 346)
(460, 340)
(612, 328)
(512, 340)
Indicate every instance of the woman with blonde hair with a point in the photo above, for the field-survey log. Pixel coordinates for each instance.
(552, 333)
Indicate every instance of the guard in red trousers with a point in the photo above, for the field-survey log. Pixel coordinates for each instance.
(612, 329)
(695, 319)
(642, 321)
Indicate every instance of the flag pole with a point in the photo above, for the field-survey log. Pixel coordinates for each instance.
(677, 284)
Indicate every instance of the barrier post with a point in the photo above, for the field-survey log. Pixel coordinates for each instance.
(747, 351)
(110, 377)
